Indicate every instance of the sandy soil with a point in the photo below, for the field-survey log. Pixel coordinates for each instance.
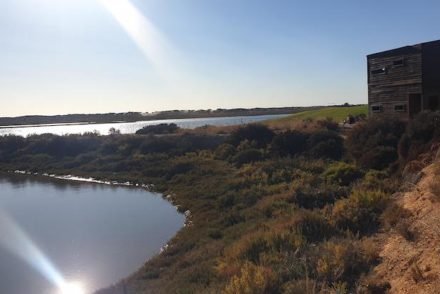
(411, 253)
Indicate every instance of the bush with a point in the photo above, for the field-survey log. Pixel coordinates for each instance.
(328, 124)
(10, 144)
(311, 197)
(342, 173)
(157, 145)
(158, 129)
(360, 213)
(247, 156)
(373, 144)
(420, 132)
(61, 146)
(325, 144)
(252, 280)
(379, 157)
(224, 152)
(343, 261)
(258, 134)
(379, 180)
(313, 226)
(289, 143)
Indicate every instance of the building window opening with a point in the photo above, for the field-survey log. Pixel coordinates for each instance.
(397, 63)
(376, 108)
(379, 71)
(400, 108)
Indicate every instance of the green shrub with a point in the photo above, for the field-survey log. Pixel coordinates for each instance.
(325, 144)
(424, 127)
(343, 261)
(252, 280)
(420, 132)
(259, 134)
(224, 151)
(313, 226)
(10, 144)
(342, 173)
(379, 180)
(360, 212)
(373, 143)
(379, 157)
(226, 201)
(158, 129)
(247, 156)
(317, 197)
(328, 124)
(289, 143)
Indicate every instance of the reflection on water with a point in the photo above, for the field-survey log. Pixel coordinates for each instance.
(131, 128)
(96, 234)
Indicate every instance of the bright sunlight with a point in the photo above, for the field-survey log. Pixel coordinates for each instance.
(72, 288)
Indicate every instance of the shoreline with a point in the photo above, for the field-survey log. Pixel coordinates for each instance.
(91, 180)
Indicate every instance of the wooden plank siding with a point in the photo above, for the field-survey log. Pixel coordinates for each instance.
(398, 80)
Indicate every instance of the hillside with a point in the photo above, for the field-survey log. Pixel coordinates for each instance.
(410, 253)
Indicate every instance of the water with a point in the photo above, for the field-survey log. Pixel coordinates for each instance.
(131, 128)
(92, 233)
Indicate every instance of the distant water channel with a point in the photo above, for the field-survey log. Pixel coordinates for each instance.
(131, 128)
(92, 234)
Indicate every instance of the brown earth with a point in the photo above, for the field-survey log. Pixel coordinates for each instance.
(411, 250)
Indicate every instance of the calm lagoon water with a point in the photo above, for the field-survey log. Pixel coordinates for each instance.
(131, 128)
(90, 233)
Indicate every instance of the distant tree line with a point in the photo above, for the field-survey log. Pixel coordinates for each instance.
(138, 116)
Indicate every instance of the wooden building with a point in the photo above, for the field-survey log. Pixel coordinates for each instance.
(404, 81)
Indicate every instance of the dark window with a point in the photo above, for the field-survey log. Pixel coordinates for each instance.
(397, 63)
(400, 108)
(379, 71)
(376, 108)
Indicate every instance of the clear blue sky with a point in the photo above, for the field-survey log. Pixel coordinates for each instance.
(74, 56)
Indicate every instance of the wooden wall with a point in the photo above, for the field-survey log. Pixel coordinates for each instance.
(395, 85)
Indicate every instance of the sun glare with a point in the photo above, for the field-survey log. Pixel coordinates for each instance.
(143, 32)
(72, 288)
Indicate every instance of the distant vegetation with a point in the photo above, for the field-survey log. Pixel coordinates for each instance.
(137, 116)
(159, 129)
(272, 211)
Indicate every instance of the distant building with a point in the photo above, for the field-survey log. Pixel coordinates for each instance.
(404, 81)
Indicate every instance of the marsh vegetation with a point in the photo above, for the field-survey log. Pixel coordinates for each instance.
(285, 211)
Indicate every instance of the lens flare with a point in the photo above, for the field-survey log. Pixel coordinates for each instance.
(72, 288)
(15, 240)
(143, 32)
(18, 243)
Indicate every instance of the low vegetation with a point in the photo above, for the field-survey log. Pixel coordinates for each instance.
(272, 211)
(325, 116)
(159, 129)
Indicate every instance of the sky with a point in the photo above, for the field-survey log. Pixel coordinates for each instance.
(97, 56)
